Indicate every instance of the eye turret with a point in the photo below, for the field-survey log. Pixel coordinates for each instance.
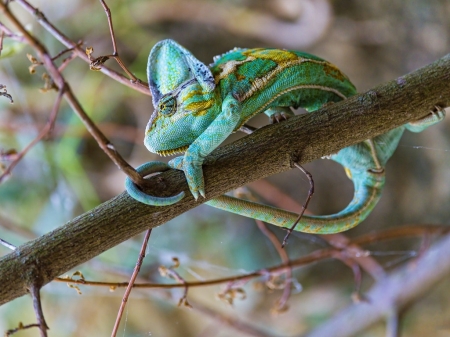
(167, 105)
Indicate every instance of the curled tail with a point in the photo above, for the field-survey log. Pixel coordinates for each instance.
(368, 187)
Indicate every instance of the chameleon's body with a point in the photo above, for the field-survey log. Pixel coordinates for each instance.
(198, 107)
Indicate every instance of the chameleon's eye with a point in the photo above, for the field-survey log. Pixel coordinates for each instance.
(167, 105)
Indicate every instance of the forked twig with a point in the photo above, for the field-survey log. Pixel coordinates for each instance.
(115, 55)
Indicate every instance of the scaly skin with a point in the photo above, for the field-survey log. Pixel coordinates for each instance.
(198, 107)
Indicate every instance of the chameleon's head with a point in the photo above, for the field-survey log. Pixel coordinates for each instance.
(184, 99)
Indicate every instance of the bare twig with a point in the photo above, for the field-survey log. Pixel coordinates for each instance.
(354, 266)
(170, 272)
(304, 206)
(35, 293)
(21, 327)
(115, 55)
(136, 270)
(7, 244)
(6, 32)
(43, 133)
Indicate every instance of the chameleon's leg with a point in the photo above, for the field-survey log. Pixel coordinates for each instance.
(368, 187)
(134, 191)
(434, 117)
(212, 137)
(279, 114)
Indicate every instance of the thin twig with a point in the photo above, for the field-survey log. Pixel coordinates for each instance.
(9, 34)
(304, 206)
(20, 328)
(7, 244)
(66, 61)
(34, 290)
(115, 53)
(130, 286)
(357, 275)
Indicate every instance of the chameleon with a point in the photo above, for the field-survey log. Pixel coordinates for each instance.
(196, 107)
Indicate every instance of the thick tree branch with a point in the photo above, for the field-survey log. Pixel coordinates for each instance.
(267, 151)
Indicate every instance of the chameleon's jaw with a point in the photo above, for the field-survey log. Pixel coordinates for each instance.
(170, 152)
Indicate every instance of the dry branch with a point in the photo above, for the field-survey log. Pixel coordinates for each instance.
(267, 151)
(392, 293)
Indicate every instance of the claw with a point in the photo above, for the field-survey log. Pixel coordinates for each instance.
(195, 195)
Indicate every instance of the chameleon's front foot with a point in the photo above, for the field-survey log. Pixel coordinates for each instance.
(193, 171)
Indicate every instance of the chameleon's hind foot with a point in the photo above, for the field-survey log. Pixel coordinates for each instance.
(439, 112)
(435, 116)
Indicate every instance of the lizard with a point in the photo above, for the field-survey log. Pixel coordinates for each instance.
(196, 107)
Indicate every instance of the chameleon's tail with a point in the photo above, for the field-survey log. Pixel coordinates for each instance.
(367, 193)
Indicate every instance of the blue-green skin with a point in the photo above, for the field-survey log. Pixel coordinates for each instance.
(198, 107)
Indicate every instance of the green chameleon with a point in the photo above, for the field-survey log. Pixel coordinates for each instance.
(197, 107)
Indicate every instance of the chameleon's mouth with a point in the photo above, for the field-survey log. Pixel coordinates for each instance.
(180, 149)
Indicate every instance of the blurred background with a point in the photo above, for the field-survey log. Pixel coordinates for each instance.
(64, 176)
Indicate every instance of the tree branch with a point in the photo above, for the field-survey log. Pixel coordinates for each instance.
(267, 151)
(395, 291)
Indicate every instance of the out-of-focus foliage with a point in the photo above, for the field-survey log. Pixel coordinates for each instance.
(61, 177)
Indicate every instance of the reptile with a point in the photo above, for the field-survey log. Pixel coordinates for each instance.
(196, 107)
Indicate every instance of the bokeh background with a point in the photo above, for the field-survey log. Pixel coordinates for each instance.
(66, 175)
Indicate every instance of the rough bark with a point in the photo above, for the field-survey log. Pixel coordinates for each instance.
(268, 151)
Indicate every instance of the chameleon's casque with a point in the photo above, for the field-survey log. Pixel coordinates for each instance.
(196, 107)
